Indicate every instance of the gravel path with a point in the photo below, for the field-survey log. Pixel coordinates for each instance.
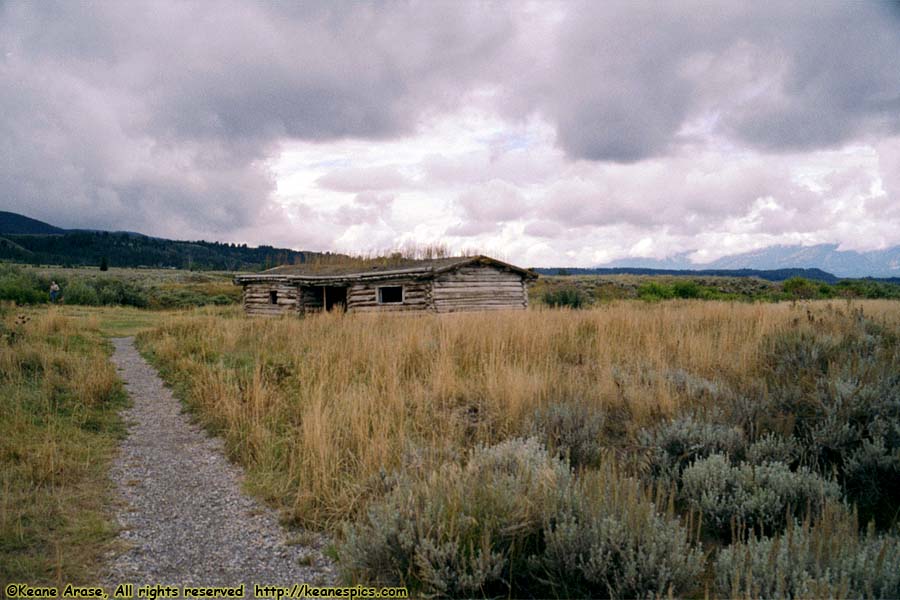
(184, 518)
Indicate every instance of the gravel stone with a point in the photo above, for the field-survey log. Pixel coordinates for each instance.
(184, 519)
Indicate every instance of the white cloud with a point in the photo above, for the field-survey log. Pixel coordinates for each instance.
(705, 199)
(363, 179)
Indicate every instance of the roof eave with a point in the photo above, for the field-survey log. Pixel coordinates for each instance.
(527, 274)
(326, 279)
(375, 275)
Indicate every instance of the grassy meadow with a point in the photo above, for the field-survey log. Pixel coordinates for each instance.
(59, 399)
(165, 289)
(634, 448)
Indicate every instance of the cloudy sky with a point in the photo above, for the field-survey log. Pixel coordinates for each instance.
(546, 133)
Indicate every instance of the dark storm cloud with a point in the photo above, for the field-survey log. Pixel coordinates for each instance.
(840, 81)
(628, 77)
(160, 115)
(614, 93)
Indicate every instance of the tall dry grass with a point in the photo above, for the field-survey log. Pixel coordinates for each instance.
(59, 398)
(322, 408)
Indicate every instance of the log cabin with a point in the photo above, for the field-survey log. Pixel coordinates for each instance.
(441, 285)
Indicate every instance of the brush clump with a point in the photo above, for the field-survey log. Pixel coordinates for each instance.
(513, 520)
(822, 558)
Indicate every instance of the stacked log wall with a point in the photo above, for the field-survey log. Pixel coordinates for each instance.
(479, 287)
(310, 298)
(363, 296)
(257, 301)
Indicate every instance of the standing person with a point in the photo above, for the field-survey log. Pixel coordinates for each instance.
(54, 292)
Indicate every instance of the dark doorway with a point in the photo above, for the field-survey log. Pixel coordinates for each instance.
(335, 297)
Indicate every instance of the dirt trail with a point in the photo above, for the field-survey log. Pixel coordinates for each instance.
(184, 518)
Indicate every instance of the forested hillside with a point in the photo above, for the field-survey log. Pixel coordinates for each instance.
(27, 240)
(11, 222)
(76, 248)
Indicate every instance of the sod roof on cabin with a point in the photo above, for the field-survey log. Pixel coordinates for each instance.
(381, 266)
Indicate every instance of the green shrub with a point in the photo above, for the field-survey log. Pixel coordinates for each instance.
(21, 287)
(117, 292)
(675, 444)
(861, 288)
(798, 287)
(565, 297)
(108, 295)
(826, 559)
(572, 430)
(826, 291)
(686, 289)
(754, 496)
(80, 292)
(513, 521)
(652, 291)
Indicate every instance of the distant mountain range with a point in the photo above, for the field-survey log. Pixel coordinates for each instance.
(827, 257)
(27, 240)
(767, 274)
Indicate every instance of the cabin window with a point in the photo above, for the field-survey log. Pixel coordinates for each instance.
(273, 297)
(390, 294)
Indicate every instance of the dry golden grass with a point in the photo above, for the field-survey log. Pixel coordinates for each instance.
(59, 398)
(321, 408)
